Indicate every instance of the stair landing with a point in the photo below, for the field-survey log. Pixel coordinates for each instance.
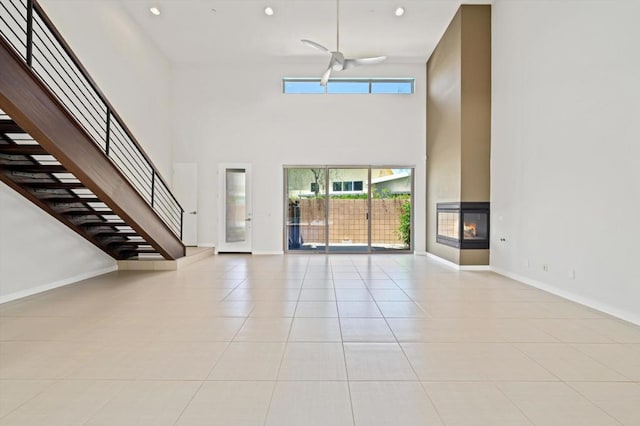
(157, 263)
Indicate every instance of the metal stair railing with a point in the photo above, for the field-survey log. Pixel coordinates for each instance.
(26, 27)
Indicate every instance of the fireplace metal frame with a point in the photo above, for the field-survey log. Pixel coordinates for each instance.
(461, 208)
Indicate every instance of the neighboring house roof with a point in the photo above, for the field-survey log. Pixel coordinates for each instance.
(390, 177)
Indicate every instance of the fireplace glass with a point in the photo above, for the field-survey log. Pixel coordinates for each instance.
(463, 225)
(475, 226)
(448, 225)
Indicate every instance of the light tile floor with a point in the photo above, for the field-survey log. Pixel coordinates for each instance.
(313, 340)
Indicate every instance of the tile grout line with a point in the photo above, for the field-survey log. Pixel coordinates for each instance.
(217, 360)
(344, 352)
(286, 345)
(593, 402)
(514, 403)
(424, 390)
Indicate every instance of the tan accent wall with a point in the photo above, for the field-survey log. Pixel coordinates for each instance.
(476, 103)
(444, 115)
(459, 122)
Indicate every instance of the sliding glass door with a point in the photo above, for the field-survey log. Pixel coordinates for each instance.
(305, 209)
(391, 200)
(358, 209)
(348, 218)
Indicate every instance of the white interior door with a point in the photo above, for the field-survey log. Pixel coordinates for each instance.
(185, 186)
(235, 213)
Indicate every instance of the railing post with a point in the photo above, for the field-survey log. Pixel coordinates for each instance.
(153, 185)
(29, 32)
(108, 136)
(181, 221)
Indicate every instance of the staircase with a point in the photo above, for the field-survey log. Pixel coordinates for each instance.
(64, 147)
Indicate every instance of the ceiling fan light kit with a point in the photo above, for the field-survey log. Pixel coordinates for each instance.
(338, 61)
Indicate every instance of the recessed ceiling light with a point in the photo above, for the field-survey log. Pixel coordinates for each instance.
(268, 11)
(400, 11)
(154, 10)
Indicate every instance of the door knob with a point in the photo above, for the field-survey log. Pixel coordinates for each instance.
(193, 212)
(248, 220)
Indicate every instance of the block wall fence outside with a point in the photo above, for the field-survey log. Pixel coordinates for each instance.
(348, 220)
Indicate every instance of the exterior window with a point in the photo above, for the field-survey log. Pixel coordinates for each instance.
(314, 187)
(347, 86)
(392, 86)
(347, 186)
(302, 86)
(369, 86)
(337, 186)
(357, 185)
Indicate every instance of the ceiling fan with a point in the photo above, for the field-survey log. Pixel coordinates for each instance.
(338, 62)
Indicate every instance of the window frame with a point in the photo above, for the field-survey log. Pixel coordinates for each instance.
(371, 81)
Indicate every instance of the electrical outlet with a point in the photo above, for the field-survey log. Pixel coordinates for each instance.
(545, 267)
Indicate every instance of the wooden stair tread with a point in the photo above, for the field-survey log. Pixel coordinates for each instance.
(101, 223)
(36, 168)
(15, 149)
(9, 126)
(64, 200)
(54, 185)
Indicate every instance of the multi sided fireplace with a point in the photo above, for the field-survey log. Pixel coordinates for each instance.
(463, 225)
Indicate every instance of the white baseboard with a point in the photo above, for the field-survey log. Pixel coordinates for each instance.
(475, 268)
(420, 253)
(56, 284)
(206, 245)
(268, 253)
(594, 304)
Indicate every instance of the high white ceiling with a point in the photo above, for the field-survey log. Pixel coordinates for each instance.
(227, 31)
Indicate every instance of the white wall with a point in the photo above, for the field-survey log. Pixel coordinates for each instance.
(237, 113)
(565, 172)
(36, 251)
(129, 69)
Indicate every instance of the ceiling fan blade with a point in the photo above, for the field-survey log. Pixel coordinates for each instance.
(325, 77)
(350, 63)
(315, 45)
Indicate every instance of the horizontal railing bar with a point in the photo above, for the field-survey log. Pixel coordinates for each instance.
(9, 26)
(60, 69)
(89, 107)
(78, 74)
(163, 197)
(72, 107)
(124, 140)
(170, 216)
(40, 11)
(127, 152)
(56, 66)
(132, 174)
(16, 9)
(119, 150)
(18, 36)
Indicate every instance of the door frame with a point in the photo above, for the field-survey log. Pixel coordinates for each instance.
(326, 250)
(185, 185)
(222, 246)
